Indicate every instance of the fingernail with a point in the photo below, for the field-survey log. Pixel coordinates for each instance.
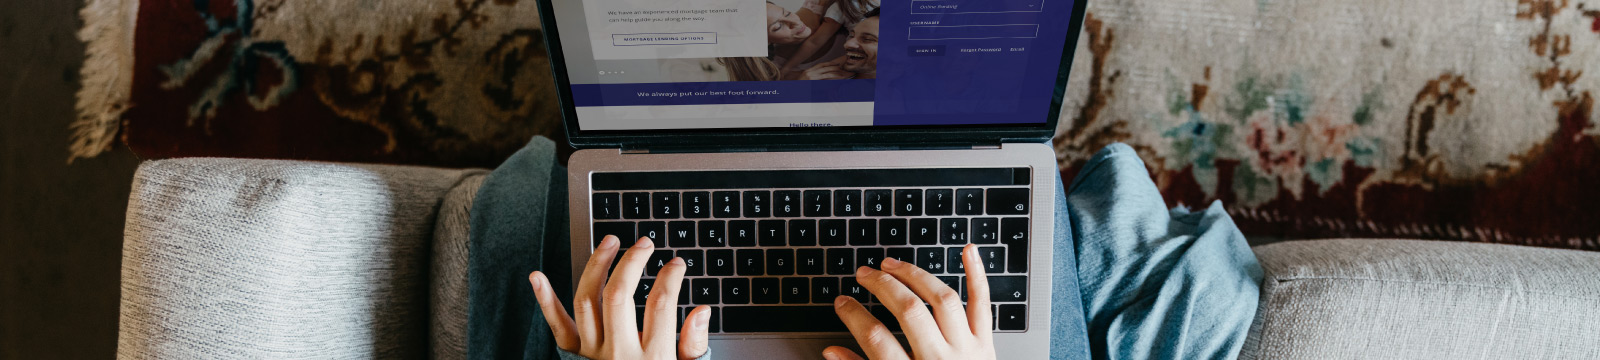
(863, 271)
(891, 263)
(644, 243)
(537, 285)
(829, 355)
(972, 250)
(609, 241)
(677, 261)
(839, 301)
(703, 320)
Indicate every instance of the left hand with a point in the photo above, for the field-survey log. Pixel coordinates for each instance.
(606, 327)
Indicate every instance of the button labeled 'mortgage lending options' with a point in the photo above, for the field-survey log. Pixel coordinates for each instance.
(687, 38)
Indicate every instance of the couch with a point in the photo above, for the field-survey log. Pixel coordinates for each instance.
(231, 258)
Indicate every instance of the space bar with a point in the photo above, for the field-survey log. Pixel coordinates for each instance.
(755, 319)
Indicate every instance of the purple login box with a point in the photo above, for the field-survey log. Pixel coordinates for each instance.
(975, 6)
(687, 38)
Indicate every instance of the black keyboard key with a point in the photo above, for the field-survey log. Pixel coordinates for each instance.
(1014, 234)
(719, 262)
(696, 205)
(665, 205)
(901, 253)
(802, 232)
(736, 291)
(695, 261)
(863, 232)
(725, 204)
(766, 290)
(809, 261)
(622, 229)
(617, 259)
(908, 202)
(680, 234)
(780, 262)
(879, 202)
(712, 234)
(757, 203)
(832, 232)
(969, 202)
(1008, 202)
(849, 287)
(641, 292)
(940, 202)
(606, 206)
(780, 319)
(953, 231)
(636, 205)
(847, 203)
(841, 261)
(796, 290)
(824, 289)
(985, 231)
(931, 259)
(954, 282)
(771, 233)
(655, 230)
(885, 316)
(705, 291)
(1008, 288)
(683, 293)
(742, 233)
(953, 262)
(818, 203)
(715, 322)
(892, 231)
(924, 231)
(750, 262)
(786, 203)
(993, 258)
(658, 260)
(1012, 317)
(869, 257)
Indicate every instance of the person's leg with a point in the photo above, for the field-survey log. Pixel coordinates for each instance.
(1069, 337)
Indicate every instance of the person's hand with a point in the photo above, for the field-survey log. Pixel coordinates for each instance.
(605, 328)
(831, 70)
(949, 332)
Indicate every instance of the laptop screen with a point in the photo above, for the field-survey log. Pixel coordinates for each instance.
(741, 64)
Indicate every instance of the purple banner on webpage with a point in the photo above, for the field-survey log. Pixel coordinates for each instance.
(735, 92)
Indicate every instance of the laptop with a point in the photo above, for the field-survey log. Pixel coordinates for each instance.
(777, 145)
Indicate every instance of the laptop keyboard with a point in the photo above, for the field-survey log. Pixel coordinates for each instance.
(768, 251)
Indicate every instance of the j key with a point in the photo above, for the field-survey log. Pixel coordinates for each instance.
(705, 291)
(818, 203)
(623, 230)
(786, 203)
(931, 259)
(832, 232)
(809, 261)
(849, 287)
(879, 202)
(908, 202)
(953, 262)
(993, 258)
(712, 234)
(766, 290)
(863, 232)
(796, 290)
(636, 205)
(902, 253)
(735, 291)
(924, 231)
(1014, 234)
(969, 202)
(655, 230)
(719, 262)
(1008, 288)
(841, 261)
(606, 206)
(750, 262)
(869, 257)
(696, 261)
(802, 232)
(953, 231)
(1008, 202)
(696, 205)
(780, 262)
(779, 319)
(892, 231)
(658, 260)
(757, 203)
(939, 202)
(824, 289)
(847, 203)
(985, 231)
(665, 205)
(680, 234)
(742, 233)
(771, 233)
(1012, 317)
(725, 204)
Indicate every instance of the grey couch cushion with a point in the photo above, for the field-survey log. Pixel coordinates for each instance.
(230, 258)
(1408, 299)
(450, 260)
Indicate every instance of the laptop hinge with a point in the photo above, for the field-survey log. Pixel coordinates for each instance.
(797, 148)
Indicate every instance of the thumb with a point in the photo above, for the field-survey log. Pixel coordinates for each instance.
(693, 341)
(839, 353)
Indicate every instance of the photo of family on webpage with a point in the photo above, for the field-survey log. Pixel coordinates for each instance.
(814, 40)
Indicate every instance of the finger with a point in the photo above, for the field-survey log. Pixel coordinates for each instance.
(873, 337)
(561, 325)
(915, 320)
(661, 308)
(946, 302)
(695, 340)
(620, 323)
(978, 295)
(839, 353)
(586, 301)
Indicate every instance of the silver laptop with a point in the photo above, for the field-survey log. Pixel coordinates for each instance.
(777, 145)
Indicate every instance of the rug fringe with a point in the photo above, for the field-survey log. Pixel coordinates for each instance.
(107, 73)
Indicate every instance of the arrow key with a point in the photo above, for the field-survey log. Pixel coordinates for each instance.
(1013, 317)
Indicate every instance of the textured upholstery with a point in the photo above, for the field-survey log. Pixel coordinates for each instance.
(1409, 299)
(450, 259)
(230, 258)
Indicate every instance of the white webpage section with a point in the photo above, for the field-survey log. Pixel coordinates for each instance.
(725, 116)
(675, 29)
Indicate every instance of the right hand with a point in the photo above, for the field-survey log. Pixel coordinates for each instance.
(949, 332)
(605, 328)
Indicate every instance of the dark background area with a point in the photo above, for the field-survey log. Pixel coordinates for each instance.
(60, 224)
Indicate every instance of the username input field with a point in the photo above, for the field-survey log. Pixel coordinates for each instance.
(975, 6)
(974, 32)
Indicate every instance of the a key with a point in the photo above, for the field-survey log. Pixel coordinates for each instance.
(719, 262)
(680, 234)
(725, 204)
(655, 230)
(849, 287)
(931, 259)
(606, 206)
(818, 203)
(908, 202)
(832, 232)
(771, 233)
(695, 261)
(705, 291)
(750, 262)
(869, 257)
(841, 261)
(1008, 288)
(697, 205)
(766, 290)
(824, 289)
(796, 290)
(665, 205)
(757, 203)
(780, 262)
(863, 232)
(1012, 317)
(953, 231)
(658, 260)
(847, 203)
(1014, 234)
(993, 258)
(924, 231)
(786, 203)
(1008, 202)
(939, 202)
(742, 233)
(892, 231)
(969, 202)
(712, 234)
(636, 205)
(735, 291)
(809, 261)
(802, 232)
(878, 202)
(622, 229)
(985, 231)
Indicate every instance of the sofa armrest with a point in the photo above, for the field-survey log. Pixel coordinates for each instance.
(233, 258)
(1365, 299)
